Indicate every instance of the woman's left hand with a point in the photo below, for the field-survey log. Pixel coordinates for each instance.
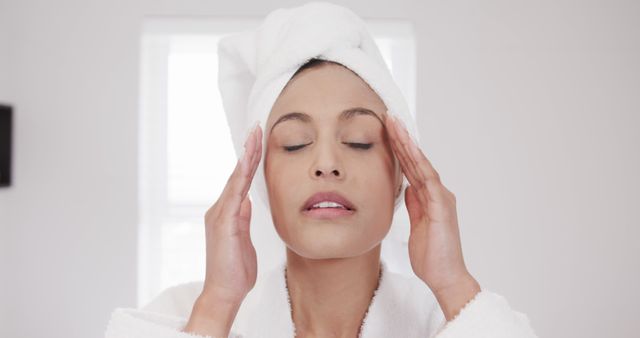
(435, 249)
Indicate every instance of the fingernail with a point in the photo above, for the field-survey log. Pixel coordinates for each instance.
(249, 133)
(255, 125)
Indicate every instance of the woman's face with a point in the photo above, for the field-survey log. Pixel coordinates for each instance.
(323, 149)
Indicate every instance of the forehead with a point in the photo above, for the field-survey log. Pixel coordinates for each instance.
(344, 116)
(326, 91)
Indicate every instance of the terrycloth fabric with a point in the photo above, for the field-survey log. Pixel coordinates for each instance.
(255, 65)
(402, 306)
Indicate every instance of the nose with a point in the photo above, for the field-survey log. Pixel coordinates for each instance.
(327, 164)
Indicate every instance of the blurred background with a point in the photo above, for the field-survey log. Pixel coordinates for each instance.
(529, 110)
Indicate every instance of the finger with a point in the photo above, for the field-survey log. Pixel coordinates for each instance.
(245, 216)
(403, 156)
(236, 186)
(417, 184)
(414, 207)
(403, 140)
(438, 192)
(395, 145)
(426, 174)
(257, 156)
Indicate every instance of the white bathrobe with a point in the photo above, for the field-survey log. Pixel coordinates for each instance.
(402, 306)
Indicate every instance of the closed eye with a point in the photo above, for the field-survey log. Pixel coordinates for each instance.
(363, 146)
(294, 148)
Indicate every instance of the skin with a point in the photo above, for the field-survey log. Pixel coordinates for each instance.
(332, 266)
(330, 262)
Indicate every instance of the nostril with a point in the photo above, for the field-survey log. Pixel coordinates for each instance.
(335, 172)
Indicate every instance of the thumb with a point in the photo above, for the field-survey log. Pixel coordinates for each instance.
(414, 207)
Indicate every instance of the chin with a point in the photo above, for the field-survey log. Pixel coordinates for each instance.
(328, 242)
(322, 252)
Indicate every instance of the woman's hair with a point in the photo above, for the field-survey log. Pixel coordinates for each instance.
(314, 62)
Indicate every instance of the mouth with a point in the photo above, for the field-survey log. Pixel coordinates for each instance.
(328, 205)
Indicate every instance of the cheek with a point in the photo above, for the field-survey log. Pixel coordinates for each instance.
(373, 187)
(377, 183)
(282, 176)
(378, 169)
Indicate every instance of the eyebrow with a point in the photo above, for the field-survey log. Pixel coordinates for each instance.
(344, 116)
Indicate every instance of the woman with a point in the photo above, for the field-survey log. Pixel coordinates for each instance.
(334, 161)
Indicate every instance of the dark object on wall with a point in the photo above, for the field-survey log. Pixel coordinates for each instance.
(5, 145)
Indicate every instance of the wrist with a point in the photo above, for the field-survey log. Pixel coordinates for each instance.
(455, 296)
(212, 316)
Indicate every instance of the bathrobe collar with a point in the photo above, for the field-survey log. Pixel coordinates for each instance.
(399, 307)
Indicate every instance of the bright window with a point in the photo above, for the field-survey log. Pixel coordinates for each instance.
(185, 148)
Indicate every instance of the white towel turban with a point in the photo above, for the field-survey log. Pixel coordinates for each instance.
(256, 65)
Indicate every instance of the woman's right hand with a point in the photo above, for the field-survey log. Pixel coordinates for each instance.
(231, 268)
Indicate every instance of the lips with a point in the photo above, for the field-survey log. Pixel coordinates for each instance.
(328, 196)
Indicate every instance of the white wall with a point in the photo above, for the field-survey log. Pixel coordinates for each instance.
(4, 81)
(4, 51)
(70, 215)
(529, 110)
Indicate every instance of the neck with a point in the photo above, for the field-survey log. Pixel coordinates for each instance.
(330, 297)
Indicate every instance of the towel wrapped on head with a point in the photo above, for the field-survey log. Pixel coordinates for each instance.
(255, 66)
